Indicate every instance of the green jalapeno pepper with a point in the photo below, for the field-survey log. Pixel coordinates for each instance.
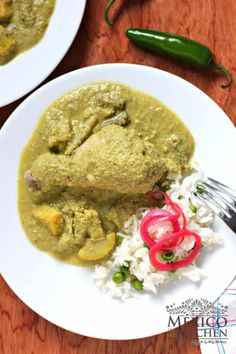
(178, 47)
(106, 14)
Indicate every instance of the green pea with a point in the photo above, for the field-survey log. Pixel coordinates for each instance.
(125, 270)
(172, 271)
(128, 262)
(158, 200)
(146, 246)
(168, 256)
(200, 188)
(165, 187)
(137, 284)
(118, 277)
(193, 208)
(119, 240)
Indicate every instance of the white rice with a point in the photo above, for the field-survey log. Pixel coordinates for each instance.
(132, 248)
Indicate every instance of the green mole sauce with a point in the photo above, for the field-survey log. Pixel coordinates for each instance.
(22, 25)
(61, 220)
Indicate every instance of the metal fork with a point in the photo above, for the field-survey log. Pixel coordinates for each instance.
(220, 199)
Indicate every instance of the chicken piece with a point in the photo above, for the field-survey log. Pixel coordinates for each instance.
(104, 105)
(50, 218)
(119, 119)
(60, 133)
(6, 10)
(67, 133)
(88, 223)
(113, 159)
(81, 131)
(96, 250)
(7, 46)
(118, 159)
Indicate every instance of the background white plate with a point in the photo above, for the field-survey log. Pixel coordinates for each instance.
(30, 68)
(66, 295)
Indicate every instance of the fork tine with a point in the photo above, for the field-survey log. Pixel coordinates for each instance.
(215, 194)
(231, 193)
(221, 184)
(220, 199)
(224, 209)
(216, 209)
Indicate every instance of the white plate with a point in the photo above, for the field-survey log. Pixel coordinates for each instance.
(30, 68)
(66, 295)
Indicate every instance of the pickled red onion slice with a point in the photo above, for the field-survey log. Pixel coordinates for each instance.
(153, 217)
(158, 248)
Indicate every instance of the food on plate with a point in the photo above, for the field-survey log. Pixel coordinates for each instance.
(49, 217)
(113, 159)
(22, 25)
(102, 155)
(143, 262)
(95, 250)
(6, 10)
(7, 46)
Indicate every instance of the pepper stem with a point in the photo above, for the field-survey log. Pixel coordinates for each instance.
(225, 71)
(106, 14)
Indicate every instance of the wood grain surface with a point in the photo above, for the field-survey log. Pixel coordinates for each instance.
(211, 22)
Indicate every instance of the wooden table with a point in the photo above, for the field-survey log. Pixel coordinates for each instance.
(211, 22)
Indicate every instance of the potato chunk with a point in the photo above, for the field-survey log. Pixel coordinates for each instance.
(7, 46)
(94, 251)
(50, 218)
(6, 10)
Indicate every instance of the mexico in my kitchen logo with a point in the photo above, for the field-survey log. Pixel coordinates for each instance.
(212, 318)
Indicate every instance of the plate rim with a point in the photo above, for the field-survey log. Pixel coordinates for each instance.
(97, 66)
